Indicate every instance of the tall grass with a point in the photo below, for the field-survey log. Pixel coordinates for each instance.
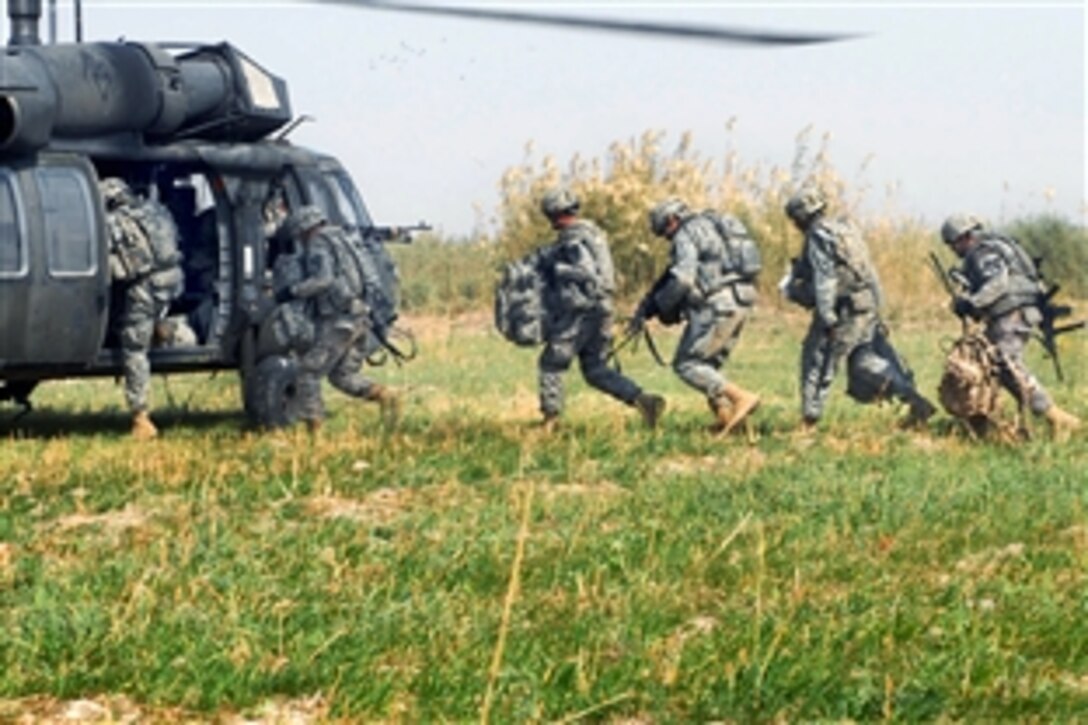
(619, 187)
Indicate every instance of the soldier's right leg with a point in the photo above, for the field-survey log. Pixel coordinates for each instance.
(817, 372)
(138, 325)
(347, 374)
(1010, 334)
(555, 359)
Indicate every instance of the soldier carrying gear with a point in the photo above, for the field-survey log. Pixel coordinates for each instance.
(580, 282)
(333, 288)
(1003, 290)
(835, 278)
(706, 285)
(144, 261)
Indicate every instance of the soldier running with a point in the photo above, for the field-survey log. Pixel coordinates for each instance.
(835, 278)
(705, 285)
(580, 284)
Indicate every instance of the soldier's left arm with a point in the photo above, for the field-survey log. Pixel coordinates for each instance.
(992, 278)
(819, 249)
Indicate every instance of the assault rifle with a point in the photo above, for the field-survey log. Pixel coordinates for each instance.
(395, 234)
(1049, 330)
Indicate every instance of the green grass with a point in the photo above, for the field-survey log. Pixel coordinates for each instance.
(863, 573)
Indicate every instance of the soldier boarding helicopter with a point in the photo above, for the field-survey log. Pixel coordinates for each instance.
(202, 130)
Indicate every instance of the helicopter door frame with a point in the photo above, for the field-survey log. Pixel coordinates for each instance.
(55, 309)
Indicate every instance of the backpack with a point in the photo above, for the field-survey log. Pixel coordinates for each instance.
(969, 385)
(742, 252)
(519, 303)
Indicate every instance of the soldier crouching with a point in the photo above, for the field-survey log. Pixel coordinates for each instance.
(329, 291)
(1003, 291)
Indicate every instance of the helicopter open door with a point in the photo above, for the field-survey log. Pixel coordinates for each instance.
(54, 276)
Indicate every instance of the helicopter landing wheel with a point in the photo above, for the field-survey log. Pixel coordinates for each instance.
(272, 398)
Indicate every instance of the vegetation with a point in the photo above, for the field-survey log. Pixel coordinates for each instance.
(468, 567)
(618, 189)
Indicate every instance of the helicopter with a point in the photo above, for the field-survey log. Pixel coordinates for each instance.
(201, 128)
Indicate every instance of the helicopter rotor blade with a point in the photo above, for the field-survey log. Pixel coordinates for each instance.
(635, 27)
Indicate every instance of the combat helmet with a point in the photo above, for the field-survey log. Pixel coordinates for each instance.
(806, 203)
(114, 191)
(663, 211)
(957, 225)
(559, 201)
(304, 220)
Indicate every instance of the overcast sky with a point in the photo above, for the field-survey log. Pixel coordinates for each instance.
(960, 106)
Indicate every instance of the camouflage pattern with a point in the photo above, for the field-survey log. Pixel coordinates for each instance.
(715, 300)
(145, 260)
(559, 201)
(332, 289)
(1003, 289)
(836, 274)
(578, 267)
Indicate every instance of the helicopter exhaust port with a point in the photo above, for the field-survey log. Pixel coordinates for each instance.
(23, 16)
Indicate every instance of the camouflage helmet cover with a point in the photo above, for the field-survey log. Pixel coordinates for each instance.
(305, 219)
(807, 201)
(663, 211)
(957, 225)
(559, 201)
(114, 191)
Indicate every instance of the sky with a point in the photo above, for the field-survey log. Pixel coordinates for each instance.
(955, 106)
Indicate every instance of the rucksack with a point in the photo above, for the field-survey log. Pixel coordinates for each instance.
(969, 385)
(741, 250)
(519, 303)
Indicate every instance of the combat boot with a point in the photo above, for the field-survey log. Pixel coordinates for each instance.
(1061, 422)
(921, 410)
(721, 409)
(550, 424)
(744, 404)
(142, 427)
(388, 403)
(651, 407)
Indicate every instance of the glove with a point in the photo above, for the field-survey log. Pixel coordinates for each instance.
(284, 295)
(962, 307)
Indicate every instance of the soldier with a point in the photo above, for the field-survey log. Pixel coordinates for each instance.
(145, 263)
(1003, 292)
(835, 278)
(331, 288)
(580, 284)
(347, 376)
(708, 286)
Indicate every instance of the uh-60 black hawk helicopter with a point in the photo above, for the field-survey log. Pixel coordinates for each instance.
(200, 128)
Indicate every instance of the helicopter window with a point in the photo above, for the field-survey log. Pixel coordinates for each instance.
(321, 195)
(348, 201)
(12, 240)
(70, 230)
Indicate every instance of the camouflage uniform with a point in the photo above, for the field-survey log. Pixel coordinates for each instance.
(1002, 290)
(145, 262)
(717, 304)
(330, 289)
(578, 266)
(347, 375)
(836, 279)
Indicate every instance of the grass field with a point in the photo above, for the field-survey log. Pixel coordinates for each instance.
(466, 567)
